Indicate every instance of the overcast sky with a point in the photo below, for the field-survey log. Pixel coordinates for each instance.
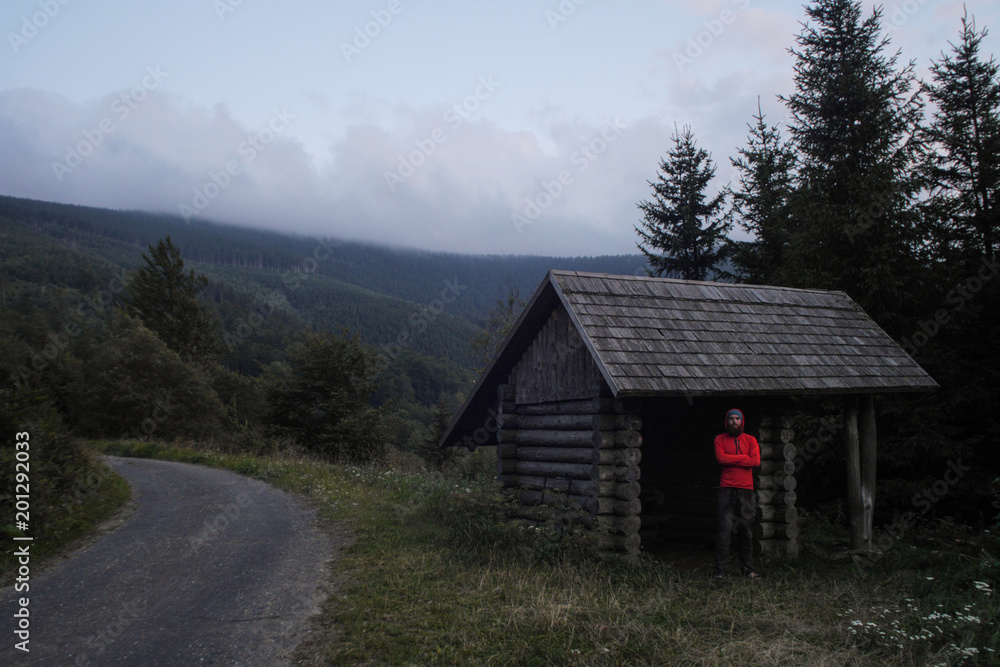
(516, 127)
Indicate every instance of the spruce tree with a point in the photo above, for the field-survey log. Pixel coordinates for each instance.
(761, 203)
(165, 299)
(854, 116)
(962, 150)
(682, 229)
(961, 167)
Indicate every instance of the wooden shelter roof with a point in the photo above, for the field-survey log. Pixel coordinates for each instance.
(653, 335)
(657, 336)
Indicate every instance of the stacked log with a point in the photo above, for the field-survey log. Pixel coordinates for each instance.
(580, 457)
(624, 461)
(776, 527)
(505, 406)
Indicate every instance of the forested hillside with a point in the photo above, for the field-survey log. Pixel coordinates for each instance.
(412, 275)
(64, 271)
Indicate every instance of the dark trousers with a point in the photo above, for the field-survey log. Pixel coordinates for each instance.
(736, 508)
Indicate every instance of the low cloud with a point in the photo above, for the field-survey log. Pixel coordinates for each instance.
(456, 186)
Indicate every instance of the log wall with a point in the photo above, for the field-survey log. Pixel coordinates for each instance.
(575, 458)
(580, 458)
(776, 528)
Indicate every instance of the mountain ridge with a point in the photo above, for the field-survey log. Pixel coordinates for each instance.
(377, 291)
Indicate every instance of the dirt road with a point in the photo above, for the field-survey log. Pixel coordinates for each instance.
(211, 568)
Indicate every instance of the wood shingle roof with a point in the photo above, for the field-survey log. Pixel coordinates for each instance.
(661, 336)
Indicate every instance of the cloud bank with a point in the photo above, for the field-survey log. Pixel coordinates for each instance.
(437, 178)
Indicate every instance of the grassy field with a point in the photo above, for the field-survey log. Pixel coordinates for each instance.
(436, 576)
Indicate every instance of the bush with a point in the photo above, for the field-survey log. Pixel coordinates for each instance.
(320, 398)
(134, 386)
(69, 489)
(474, 519)
(479, 465)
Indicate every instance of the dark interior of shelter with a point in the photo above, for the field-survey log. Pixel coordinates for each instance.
(679, 473)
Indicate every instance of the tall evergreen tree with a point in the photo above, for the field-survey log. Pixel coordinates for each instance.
(761, 203)
(682, 229)
(165, 299)
(961, 167)
(854, 116)
(962, 149)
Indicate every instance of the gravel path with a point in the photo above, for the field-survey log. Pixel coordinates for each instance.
(211, 568)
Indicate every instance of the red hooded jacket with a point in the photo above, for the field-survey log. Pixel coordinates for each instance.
(738, 456)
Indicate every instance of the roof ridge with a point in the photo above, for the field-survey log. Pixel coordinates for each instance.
(679, 281)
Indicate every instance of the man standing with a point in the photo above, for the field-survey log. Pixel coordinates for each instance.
(738, 453)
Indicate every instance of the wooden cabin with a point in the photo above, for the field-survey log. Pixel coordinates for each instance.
(606, 396)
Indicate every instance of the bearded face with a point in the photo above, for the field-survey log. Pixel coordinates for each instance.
(734, 425)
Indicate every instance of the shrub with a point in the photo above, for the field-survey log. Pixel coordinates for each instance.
(134, 386)
(321, 399)
(69, 490)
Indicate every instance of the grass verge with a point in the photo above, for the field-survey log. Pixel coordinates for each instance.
(436, 576)
(65, 515)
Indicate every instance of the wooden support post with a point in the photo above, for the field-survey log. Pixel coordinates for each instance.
(867, 441)
(855, 502)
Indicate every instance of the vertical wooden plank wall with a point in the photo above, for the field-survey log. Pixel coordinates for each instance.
(557, 366)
